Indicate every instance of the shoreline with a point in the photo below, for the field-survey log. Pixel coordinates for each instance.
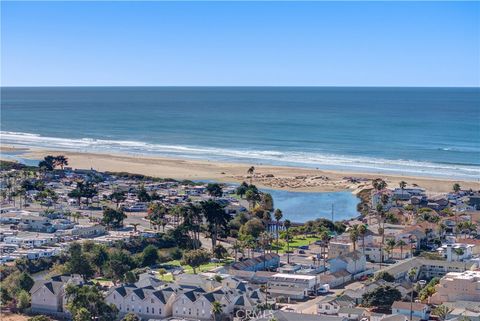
(294, 179)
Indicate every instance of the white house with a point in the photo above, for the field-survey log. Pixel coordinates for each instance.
(48, 296)
(420, 310)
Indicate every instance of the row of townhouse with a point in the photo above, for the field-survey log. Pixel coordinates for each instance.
(155, 300)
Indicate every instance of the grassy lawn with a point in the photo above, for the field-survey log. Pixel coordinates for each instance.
(295, 243)
(202, 268)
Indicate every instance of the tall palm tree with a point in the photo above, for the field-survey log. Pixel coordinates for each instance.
(412, 274)
(287, 224)
(390, 245)
(135, 226)
(402, 185)
(278, 216)
(61, 161)
(324, 240)
(237, 246)
(217, 309)
(251, 172)
(441, 312)
(401, 244)
(362, 231)
(353, 232)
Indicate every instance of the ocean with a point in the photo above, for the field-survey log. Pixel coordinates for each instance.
(412, 131)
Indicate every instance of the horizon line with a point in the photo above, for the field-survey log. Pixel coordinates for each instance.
(231, 86)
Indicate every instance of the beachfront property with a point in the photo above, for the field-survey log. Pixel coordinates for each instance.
(457, 286)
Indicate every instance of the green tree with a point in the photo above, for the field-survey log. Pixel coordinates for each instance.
(253, 227)
(61, 161)
(381, 297)
(252, 197)
(251, 172)
(456, 188)
(117, 197)
(82, 314)
(143, 195)
(242, 189)
(385, 276)
(267, 202)
(77, 261)
(131, 317)
(113, 218)
(119, 263)
(48, 163)
(130, 277)
(89, 298)
(362, 232)
(217, 219)
(441, 311)
(196, 258)
(149, 255)
(278, 217)
(23, 300)
(219, 252)
(287, 224)
(401, 244)
(214, 190)
(216, 309)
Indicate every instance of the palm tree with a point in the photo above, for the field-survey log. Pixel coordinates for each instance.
(135, 226)
(401, 244)
(216, 309)
(441, 312)
(379, 184)
(287, 224)
(251, 172)
(390, 245)
(362, 231)
(412, 274)
(324, 240)
(278, 216)
(456, 188)
(354, 237)
(402, 186)
(61, 161)
(236, 247)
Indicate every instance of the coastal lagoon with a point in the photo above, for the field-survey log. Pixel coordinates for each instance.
(305, 206)
(411, 131)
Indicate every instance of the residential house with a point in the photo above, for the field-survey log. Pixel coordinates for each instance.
(339, 246)
(351, 313)
(48, 296)
(420, 310)
(259, 263)
(353, 263)
(331, 305)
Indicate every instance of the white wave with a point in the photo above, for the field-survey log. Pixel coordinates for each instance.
(320, 160)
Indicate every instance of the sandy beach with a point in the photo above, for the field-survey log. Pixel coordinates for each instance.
(266, 176)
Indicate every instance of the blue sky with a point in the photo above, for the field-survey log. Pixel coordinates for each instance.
(240, 43)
